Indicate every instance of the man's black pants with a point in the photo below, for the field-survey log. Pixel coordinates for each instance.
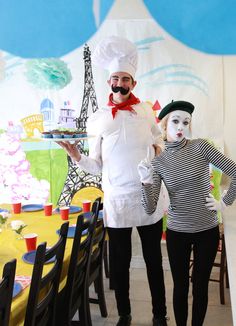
(121, 252)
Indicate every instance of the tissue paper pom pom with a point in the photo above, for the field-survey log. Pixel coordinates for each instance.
(48, 73)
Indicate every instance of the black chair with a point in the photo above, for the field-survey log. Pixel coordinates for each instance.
(73, 297)
(41, 306)
(105, 252)
(221, 263)
(96, 268)
(106, 258)
(6, 291)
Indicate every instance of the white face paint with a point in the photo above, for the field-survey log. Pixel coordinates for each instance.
(178, 125)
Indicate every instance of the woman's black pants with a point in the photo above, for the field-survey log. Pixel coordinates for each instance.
(179, 245)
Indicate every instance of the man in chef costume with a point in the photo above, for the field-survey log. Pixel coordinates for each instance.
(124, 131)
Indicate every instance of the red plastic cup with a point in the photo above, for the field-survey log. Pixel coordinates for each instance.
(163, 235)
(86, 206)
(16, 208)
(64, 212)
(48, 209)
(31, 241)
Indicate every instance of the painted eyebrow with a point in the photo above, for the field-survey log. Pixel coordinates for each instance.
(178, 117)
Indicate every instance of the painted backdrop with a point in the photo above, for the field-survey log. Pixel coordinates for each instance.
(42, 74)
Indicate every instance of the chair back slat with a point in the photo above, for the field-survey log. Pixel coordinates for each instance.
(6, 291)
(96, 269)
(41, 306)
(76, 286)
(96, 259)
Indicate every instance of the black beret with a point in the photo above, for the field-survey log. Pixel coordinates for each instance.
(176, 105)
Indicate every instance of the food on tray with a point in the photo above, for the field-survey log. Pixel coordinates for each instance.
(57, 133)
(46, 134)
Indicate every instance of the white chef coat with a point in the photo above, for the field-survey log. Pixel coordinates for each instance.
(117, 147)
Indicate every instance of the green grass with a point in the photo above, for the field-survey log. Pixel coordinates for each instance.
(50, 165)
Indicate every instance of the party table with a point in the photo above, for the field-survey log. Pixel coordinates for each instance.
(11, 247)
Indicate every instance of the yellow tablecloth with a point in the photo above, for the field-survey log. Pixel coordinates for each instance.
(10, 247)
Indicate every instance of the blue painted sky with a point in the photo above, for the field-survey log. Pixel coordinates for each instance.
(49, 28)
(205, 25)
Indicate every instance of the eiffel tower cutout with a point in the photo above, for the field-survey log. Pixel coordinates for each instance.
(77, 178)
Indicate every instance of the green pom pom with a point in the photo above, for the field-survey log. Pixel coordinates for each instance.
(48, 73)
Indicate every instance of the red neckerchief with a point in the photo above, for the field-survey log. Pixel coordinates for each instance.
(124, 105)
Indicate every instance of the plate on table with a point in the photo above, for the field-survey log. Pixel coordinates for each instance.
(89, 214)
(73, 210)
(17, 288)
(2, 210)
(71, 232)
(32, 208)
(29, 257)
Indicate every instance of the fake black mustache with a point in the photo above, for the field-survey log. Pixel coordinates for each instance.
(122, 90)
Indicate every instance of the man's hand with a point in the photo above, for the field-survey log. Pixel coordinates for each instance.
(145, 172)
(71, 149)
(214, 204)
(157, 149)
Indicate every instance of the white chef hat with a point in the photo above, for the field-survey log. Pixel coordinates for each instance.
(116, 54)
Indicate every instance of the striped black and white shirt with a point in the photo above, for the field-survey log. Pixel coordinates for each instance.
(184, 168)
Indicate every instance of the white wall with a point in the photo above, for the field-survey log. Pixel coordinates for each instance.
(230, 106)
